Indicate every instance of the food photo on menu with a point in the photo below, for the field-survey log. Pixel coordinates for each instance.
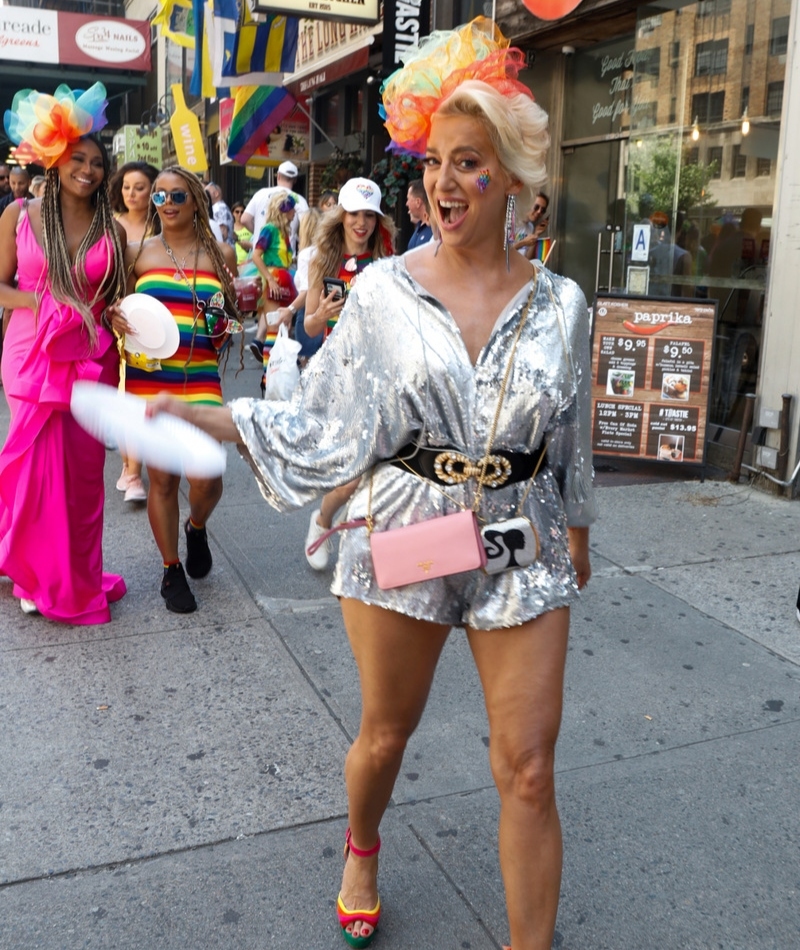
(620, 383)
(676, 386)
(670, 448)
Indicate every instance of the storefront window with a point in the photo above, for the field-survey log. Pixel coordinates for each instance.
(674, 127)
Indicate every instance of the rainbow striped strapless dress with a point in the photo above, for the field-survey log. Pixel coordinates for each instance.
(192, 372)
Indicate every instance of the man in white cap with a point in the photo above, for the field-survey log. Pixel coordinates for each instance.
(256, 211)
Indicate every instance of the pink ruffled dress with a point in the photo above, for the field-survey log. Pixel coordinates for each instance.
(51, 470)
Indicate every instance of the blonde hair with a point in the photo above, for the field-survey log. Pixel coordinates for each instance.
(517, 129)
(309, 224)
(330, 244)
(279, 218)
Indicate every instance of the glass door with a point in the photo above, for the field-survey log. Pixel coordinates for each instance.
(592, 207)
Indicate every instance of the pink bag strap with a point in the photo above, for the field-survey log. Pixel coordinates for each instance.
(316, 545)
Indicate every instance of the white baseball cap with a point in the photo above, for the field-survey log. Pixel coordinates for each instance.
(288, 169)
(360, 194)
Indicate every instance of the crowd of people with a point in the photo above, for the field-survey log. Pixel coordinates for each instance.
(484, 430)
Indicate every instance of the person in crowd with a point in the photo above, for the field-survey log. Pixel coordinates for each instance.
(37, 185)
(419, 212)
(221, 213)
(327, 199)
(5, 187)
(308, 237)
(129, 191)
(66, 251)
(272, 258)
(255, 214)
(505, 368)
(243, 239)
(20, 181)
(534, 226)
(349, 238)
(187, 270)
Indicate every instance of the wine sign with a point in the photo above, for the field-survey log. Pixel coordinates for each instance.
(651, 377)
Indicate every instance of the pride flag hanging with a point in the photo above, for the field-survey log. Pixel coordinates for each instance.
(257, 111)
(252, 53)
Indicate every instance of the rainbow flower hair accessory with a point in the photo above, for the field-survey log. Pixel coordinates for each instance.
(436, 68)
(43, 127)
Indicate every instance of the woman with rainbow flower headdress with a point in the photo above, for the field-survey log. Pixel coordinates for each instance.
(65, 250)
(458, 356)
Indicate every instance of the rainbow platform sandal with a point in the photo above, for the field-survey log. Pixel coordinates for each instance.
(346, 916)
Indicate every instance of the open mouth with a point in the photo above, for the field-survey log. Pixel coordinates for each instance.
(452, 212)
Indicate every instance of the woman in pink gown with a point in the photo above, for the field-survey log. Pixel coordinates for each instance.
(66, 251)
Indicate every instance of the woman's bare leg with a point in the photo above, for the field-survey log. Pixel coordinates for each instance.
(204, 494)
(396, 658)
(522, 672)
(164, 512)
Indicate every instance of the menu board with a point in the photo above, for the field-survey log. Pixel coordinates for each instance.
(651, 376)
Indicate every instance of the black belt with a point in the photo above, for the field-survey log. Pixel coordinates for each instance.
(448, 466)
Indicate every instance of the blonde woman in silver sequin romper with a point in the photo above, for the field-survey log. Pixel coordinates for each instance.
(437, 328)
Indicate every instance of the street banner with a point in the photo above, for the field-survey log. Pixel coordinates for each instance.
(651, 377)
(405, 22)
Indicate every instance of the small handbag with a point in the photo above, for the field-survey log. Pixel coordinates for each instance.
(434, 548)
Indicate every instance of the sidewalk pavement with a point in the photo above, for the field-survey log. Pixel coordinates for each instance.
(175, 781)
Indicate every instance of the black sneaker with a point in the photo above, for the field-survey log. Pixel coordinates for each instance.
(257, 349)
(175, 591)
(198, 554)
(798, 606)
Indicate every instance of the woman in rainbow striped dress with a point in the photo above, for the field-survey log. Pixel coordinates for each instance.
(184, 267)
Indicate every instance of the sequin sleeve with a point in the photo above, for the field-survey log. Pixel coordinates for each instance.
(570, 447)
(352, 406)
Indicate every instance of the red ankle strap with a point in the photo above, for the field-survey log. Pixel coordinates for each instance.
(349, 846)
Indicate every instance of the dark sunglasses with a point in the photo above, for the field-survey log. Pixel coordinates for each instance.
(159, 198)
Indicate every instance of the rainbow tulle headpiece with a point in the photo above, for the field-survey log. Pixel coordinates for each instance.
(43, 127)
(435, 69)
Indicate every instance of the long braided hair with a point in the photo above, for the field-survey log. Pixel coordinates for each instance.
(207, 241)
(68, 281)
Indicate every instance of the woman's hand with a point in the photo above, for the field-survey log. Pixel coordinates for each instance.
(274, 288)
(328, 307)
(579, 552)
(284, 317)
(163, 402)
(115, 320)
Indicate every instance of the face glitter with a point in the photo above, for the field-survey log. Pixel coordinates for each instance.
(483, 180)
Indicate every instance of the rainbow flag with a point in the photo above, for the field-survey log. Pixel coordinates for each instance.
(542, 249)
(257, 111)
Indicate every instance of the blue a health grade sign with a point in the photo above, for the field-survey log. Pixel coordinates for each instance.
(651, 377)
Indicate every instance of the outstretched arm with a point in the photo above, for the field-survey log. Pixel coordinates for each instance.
(215, 420)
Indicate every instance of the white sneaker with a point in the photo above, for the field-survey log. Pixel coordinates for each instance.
(319, 559)
(28, 606)
(135, 490)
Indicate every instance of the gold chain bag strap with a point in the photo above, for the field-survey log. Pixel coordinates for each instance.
(448, 544)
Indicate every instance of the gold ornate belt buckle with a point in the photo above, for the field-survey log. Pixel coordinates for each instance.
(454, 468)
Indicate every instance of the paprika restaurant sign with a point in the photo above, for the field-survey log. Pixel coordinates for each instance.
(651, 373)
(71, 39)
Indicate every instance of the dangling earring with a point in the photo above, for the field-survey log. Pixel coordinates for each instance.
(510, 226)
(194, 221)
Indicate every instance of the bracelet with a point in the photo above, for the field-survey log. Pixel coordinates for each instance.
(292, 309)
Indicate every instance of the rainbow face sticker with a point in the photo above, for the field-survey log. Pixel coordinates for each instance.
(483, 180)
